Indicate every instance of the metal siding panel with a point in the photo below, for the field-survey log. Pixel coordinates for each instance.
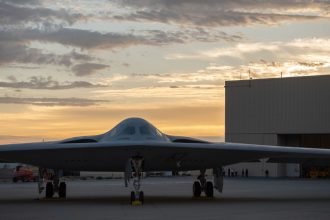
(287, 105)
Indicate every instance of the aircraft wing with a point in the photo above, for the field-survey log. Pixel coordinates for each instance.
(112, 156)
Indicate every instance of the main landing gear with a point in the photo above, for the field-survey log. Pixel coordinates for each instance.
(53, 184)
(137, 196)
(202, 185)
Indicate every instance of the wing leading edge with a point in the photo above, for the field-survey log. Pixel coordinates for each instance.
(112, 156)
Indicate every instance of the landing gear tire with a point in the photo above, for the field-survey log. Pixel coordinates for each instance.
(141, 197)
(49, 190)
(197, 189)
(132, 197)
(62, 190)
(209, 189)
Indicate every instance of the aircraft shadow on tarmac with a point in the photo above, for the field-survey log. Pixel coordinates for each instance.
(173, 200)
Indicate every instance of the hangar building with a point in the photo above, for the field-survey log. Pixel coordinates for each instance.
(291, 111)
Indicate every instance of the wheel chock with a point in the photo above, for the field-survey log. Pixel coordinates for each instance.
(136, 203)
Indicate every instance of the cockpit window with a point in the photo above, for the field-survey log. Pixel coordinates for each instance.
(134, 129)
(145, 130)
(113, 132)
(159, 133)
(129, 130)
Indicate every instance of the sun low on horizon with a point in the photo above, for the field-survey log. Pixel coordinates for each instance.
(73, 68)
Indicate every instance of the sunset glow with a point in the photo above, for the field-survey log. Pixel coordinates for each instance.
(71, 68)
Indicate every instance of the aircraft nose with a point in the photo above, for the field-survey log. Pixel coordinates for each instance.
(134, 129)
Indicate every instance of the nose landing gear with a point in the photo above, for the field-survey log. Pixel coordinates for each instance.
(137, 196)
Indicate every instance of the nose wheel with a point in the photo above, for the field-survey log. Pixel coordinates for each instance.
(137, 199)
(137, 196)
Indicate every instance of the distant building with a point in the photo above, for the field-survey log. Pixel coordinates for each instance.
(282, 111)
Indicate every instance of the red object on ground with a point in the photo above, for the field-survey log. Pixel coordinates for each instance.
(25, 174)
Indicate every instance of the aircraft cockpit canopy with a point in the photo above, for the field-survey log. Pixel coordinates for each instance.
(134, 129)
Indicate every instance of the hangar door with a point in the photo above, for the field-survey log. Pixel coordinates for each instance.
(313, 141)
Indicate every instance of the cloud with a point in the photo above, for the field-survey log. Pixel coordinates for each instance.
(267, 69)
(87, 39)
(186, 35)
(15, 49)
(302, 50)
(241, 49)
(209, 81)
(48, 83)
(181, 91)
(96, 40)
(50, 101)
(23, 12)
(16, 52)
(223, 13)
(15, 44)
(86, 69)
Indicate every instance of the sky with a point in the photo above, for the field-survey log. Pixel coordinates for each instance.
(78, 67)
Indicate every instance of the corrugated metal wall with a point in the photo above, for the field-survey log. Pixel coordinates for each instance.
(297, 105)
(264, 111)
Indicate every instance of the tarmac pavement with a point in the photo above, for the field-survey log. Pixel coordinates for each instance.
(171, 198)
